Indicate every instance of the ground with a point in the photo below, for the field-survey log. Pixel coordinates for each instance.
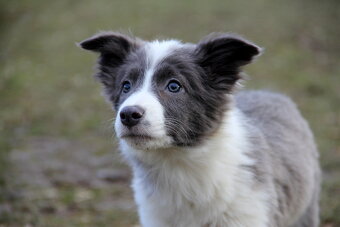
(59, 163)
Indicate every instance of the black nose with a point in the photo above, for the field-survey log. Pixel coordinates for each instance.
(131, 115)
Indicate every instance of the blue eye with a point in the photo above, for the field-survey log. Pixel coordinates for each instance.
(174, 86)
(126, 86)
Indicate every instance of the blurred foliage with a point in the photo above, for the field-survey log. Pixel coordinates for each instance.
(46, 89)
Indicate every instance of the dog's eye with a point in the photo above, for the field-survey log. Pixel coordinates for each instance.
(174, 86)
(126, 86)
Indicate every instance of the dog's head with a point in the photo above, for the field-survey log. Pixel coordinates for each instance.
(167, 93)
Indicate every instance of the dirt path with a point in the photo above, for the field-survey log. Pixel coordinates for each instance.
(59, 182)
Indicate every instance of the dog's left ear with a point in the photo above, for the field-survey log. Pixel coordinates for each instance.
(222, 56)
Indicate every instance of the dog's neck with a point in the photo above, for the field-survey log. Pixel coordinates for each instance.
(195, 172)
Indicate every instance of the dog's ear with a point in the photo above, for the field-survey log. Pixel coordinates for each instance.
(222, 55)
(111, 44)
(113, 47)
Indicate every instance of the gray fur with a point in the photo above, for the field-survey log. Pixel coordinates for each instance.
(116, 50)
(286, 155)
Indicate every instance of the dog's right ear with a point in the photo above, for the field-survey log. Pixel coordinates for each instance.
(114, 48)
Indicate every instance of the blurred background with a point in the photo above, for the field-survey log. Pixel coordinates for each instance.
(59, 165)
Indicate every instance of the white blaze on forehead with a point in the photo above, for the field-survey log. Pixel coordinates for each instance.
(156, 51)
(144, 97)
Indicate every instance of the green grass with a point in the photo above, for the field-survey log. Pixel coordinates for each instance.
(46, 88)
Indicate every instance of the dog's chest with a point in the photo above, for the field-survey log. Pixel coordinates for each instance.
(173, 205)
(204, 207)
(183, 195)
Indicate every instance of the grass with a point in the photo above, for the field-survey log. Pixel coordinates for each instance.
(46, 90)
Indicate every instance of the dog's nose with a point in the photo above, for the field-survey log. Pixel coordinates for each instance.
(131, 115)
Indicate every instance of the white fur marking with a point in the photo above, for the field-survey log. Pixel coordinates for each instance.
(145, 98)
(205, 184)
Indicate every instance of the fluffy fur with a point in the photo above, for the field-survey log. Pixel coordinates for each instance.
(203, 156)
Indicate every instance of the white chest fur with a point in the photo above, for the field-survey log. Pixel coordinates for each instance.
(201, 186)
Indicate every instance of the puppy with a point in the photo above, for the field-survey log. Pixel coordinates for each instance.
(201, 155)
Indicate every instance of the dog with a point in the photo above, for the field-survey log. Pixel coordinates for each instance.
(203, 154)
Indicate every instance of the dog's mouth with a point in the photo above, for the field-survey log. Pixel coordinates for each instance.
(134, 136)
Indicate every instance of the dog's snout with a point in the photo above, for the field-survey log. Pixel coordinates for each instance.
(131, 115)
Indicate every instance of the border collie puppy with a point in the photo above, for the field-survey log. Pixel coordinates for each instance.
(203, 156)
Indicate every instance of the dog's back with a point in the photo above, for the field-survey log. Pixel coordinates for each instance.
(292, 156)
